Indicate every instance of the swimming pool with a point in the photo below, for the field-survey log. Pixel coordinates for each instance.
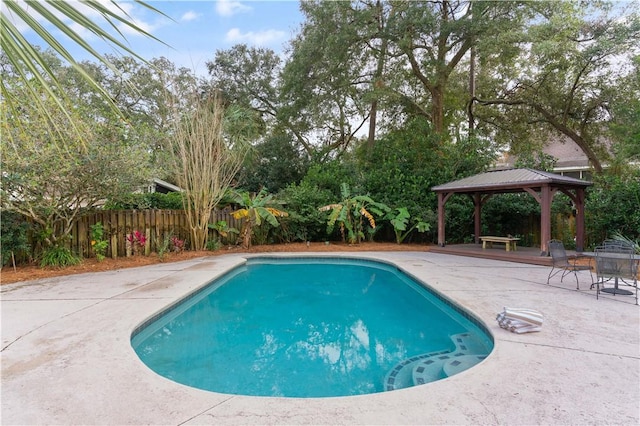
(311, 327)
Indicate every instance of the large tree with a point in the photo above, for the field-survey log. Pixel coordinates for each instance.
(329, 75)
(568, 76)
(625, 112)
(143, 94)
(248, 76)
(387, 61)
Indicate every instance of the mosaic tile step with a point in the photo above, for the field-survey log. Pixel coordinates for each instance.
(430, 367)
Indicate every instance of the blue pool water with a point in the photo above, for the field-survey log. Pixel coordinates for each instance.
(311, 327)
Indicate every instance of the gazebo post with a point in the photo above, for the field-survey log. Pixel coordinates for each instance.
(580, 231)
(545, 219)
(477, 202)
(441, 201)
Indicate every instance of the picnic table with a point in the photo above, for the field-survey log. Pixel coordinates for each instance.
(509, 242)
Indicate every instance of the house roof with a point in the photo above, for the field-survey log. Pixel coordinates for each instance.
(568, 155)
(509, 180)
(159, 182)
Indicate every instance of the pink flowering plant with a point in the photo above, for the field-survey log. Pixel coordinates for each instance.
(177, 244)
(136, 241)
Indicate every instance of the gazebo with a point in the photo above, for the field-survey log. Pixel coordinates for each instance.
(541, 185)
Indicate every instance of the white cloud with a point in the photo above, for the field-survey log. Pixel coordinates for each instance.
(260, 38)
(190, 16)
(230, 7)
(130, 12)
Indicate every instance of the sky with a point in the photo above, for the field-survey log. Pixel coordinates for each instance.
(195, 30)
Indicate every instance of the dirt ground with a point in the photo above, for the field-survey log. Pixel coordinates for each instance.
(33, 272)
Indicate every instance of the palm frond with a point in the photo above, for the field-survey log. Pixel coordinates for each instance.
(28, 61)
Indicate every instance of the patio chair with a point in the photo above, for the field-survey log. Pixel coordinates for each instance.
(567, 264)
(615, 245)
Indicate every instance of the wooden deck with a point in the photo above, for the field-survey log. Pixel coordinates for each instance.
(530, 255)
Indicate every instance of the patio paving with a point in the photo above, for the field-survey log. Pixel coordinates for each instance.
(66, 354)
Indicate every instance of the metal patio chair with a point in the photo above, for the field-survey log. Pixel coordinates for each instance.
(567, 264)
(615, 245)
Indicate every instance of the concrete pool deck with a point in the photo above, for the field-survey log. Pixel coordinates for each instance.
(67, 359)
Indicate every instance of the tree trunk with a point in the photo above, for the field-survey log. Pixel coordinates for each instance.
(377, 78)
(372, 125)
(437, 109)
(472, 88)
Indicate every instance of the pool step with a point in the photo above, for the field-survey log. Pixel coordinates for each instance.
(401, 376)
(437, 365)
(442, 366)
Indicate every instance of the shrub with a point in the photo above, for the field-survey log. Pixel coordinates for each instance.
(136, 242)
(613, 206)
(163, 245)
(213, 245)
(223, 234)
(177, 244)
(507, 214)
(329, 176)
(13, 237)
(305, 222)
(98, 243)
(354, 214)
(59, 257)
(400, 219)
(149, 200)
(405, 164)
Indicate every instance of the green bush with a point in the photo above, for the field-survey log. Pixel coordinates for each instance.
(13, 237)
(508, 214)
(329, 176)
(459, 224)
(305, 222)
(613, 206)
(59, 257)
(98, 242)
(147, 200)
(405, 164)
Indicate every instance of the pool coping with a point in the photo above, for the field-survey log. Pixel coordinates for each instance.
(66, 358)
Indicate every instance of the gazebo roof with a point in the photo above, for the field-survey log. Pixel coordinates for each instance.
(510, 180)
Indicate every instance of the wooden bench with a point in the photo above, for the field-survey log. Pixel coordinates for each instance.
(509, 242)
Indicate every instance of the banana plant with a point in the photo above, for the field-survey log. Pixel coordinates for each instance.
(352, 214)
(254, 211)
(400, 221)
(223, 231)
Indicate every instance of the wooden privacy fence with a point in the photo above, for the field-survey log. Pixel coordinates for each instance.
(155, 225)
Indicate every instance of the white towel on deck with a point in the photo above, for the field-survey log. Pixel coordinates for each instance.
(520, 320)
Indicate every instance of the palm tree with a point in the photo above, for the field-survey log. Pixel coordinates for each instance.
(28, 61)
